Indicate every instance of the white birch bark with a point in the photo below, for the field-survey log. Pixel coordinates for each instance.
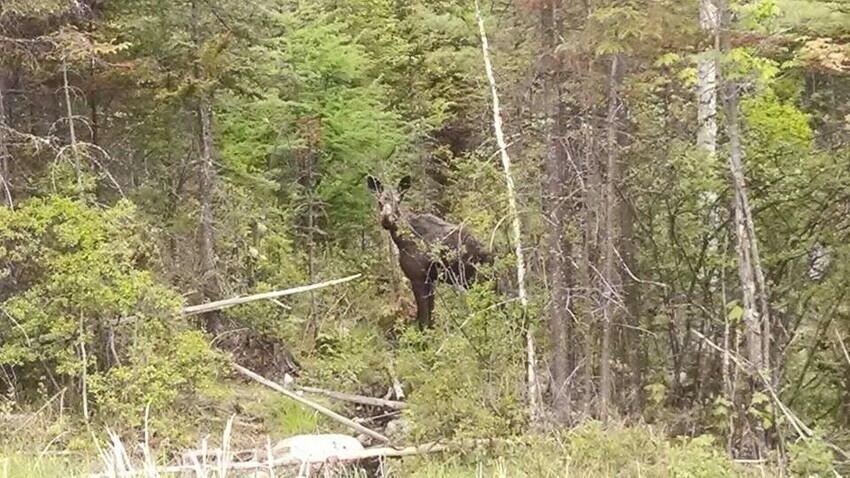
(4, 153)
(531, 372)
(707, 81)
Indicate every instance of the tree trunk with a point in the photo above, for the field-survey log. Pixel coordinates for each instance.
(4, 152)
(559, 244)
(707, 82)
(749, 264)
(611, 306)
(206, 186)
(588, 266)
(71, 128)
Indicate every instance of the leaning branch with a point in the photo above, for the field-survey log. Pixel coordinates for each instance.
(315, 406)
(223, 304)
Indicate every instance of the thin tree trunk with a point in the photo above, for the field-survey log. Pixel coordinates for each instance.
(311, 239)
(612, 308)
(590, 259)
(4, 152)
(707, 138)
(532, 388)
(634, 344)
(206, 186)
(559, 243)
(748, 261)
(71, 128)
(84, 382)
(707, 82)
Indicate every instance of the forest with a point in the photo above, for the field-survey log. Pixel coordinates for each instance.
(435, 238)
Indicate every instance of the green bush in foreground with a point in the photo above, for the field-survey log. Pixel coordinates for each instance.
(590, 451)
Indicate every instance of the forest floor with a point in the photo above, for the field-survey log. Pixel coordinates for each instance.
(50, 446)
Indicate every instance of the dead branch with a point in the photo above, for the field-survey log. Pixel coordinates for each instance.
(222, 304)
(324, 411)
(347, 397)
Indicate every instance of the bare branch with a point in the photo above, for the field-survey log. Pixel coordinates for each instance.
(223, 304)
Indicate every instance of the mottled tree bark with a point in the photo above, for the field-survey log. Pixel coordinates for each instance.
(707, 81)
(4, 152)
(756, 321)
(555, 209)
(612, 305)
(206, 186)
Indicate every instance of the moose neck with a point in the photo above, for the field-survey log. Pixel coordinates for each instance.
(400, 229)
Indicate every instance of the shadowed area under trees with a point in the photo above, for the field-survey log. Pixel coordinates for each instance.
(620, 246)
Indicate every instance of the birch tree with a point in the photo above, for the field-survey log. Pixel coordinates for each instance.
(532, 389)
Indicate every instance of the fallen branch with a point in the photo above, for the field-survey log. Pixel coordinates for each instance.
(390, 452)
(315, 406)
(347, 397)
(223, 304)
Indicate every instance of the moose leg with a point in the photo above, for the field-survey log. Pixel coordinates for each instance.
(431, 293)
(423, 293)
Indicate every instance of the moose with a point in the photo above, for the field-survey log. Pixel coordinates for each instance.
(430, 248)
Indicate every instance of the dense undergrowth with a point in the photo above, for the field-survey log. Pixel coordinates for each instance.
(156, 154)
(590, 450)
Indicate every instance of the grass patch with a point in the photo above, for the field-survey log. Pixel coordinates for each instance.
(16, 465)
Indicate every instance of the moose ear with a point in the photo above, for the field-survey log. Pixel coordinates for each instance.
(403, 185)
(373, 183)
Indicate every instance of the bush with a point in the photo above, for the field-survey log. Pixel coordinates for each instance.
(464, 374)
(78, 299)
(810, 458)
(590, 451)
(161, 375)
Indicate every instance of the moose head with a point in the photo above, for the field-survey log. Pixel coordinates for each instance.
(389, 200)
(430, 248)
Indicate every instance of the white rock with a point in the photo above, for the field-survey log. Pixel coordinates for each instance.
(316, 448)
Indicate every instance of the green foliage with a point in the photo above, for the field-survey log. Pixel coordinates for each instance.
(348, 358)
(321, 101)
(699, 457)
(15, 465)
(465, 374)
(289, 418)
(162, 373)
(811, 458)
(592, 451)
(75, 272)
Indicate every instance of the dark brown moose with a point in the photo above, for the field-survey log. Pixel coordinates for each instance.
(430, 249)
